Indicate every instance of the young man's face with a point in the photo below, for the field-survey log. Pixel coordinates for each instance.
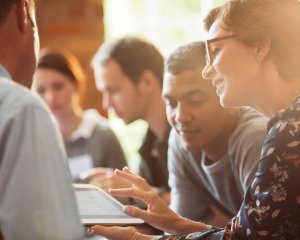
(119, 92)
(193, 110)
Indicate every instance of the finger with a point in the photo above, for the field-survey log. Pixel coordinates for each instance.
(112, 233)
(134, 179)
(133, 193)
(88, 174)
(148, 217)
(105, 177)
(99, 230)
(126, 169)
(102, 183)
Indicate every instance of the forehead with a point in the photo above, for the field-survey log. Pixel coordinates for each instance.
(217, 29)
(185, 82)
(44, 75)
(110, 73)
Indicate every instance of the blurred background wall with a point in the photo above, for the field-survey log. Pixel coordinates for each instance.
(81, 26)
(77, 26)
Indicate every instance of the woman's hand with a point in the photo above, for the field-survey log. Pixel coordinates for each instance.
(119, 233)
(158, 213)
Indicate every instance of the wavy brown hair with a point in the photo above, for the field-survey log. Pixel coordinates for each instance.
(66, 63)
(254, 21)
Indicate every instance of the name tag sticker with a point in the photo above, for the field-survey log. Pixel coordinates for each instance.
(79, 164)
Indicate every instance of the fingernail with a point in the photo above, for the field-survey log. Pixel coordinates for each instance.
(126, 209)
(90, 231)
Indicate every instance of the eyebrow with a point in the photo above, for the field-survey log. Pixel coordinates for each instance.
(194, 92)
(186, 95)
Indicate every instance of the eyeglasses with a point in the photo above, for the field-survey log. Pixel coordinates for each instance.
(209, 54)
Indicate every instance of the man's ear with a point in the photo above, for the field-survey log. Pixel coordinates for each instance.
(147, 81)
(262, 49)
(21, 14)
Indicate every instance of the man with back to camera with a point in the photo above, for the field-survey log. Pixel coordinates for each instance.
(213, 151)
(129, 73)
(36, 196)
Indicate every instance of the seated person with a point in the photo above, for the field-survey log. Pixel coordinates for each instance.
(252, 59)
(129, 73)
(211, 149)
(89, 142)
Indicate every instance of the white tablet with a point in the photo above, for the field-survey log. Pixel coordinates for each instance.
(97, 207)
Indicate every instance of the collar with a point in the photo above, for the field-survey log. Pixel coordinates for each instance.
(4, 72)
(291, 113)
(151, 144)
(90, 120)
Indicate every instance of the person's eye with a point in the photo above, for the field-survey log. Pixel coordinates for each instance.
(171, 104)
(40, 91)
(195, 101)
(215, 51)
(58, 86)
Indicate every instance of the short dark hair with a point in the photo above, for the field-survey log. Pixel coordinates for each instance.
(134, 56)
(187, 57)
(6, 6)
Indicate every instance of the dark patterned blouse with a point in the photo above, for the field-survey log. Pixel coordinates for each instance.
(271, 208)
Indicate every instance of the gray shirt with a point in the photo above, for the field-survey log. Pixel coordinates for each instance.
(36, 197)
(94, 143)
(196, 183)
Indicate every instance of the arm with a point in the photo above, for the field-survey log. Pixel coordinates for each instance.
(273, 195)
(37, 200)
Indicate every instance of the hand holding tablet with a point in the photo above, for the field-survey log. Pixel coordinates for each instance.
(97, 207)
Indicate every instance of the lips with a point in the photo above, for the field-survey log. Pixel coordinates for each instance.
(187, 132)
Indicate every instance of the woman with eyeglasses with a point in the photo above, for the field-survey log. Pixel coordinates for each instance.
(253, 59)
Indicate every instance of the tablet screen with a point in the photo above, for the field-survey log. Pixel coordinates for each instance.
(97, 207)
(94, 203)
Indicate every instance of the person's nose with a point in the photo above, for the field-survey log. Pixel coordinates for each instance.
(207, 72)
(49, 97)
(182, 115)
(106, 101)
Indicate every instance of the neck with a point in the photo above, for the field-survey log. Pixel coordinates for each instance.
(280, 94)
(156, 117)
(220, 146)
(69, 122)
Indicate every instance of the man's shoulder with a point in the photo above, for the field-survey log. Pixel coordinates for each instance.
(249, 135)
(252, 125)
(250, 118)
(13, 96)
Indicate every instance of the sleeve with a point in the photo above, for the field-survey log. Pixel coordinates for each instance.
(36, 200)
(187, 199)
(114, 156)
(274, 196)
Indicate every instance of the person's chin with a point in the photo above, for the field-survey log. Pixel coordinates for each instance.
(188, 146)
(227, 101)
(127, 120)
